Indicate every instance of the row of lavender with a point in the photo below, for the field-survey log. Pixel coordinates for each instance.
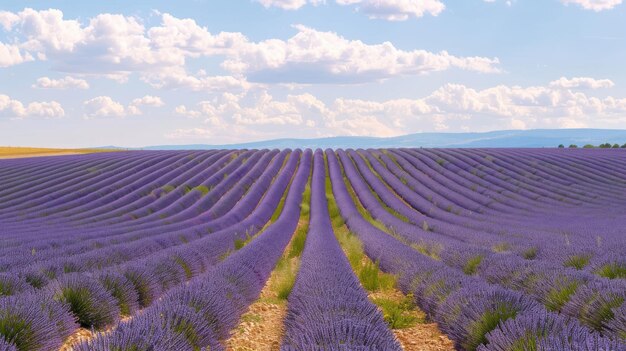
(494, 245)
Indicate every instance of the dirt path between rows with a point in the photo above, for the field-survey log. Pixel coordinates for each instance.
(423, 335)
(261, 328)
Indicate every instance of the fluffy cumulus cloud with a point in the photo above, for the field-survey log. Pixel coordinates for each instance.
(312, 56)
(179, 79)
(67, 82)
(452, 107)
(594, 5)
(250, 115)
(11, 55)
(581, 83)
(103, 106)
(264, 116)
(527, 107)
(16, 109)
(396, 10)
(116, 46)
(107, 44)
(391, 10)
(148, 100)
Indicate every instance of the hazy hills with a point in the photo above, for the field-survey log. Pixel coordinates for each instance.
(503, 138)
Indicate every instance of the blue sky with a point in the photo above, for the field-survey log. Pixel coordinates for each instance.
(76, 74)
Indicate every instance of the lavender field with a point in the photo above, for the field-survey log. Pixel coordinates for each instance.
(499, 249)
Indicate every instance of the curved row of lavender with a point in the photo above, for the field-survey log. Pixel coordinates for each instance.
(504, 248)
(328, 308)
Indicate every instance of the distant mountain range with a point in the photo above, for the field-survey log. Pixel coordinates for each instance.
(503, 138)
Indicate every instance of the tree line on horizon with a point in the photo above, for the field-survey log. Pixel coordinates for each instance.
(590, 146)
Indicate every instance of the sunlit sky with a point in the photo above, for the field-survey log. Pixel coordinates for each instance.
(136, 73)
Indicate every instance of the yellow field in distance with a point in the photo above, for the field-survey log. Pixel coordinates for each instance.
(17, 152)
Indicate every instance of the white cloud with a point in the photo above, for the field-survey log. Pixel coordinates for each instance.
(10, 55)
(306, 116)
(103, 106)
(217, 124)
(312, 56)
(148, 100)
(183, 111)
(537, 107)
(452, 107)
(214, 134)
(63, 83)
(133, 110)
(44, 30)
(391, 10)
(116, 46)
(581, 83)
(8, 19)
(182, 38)
(289, 4)
(396, 10)
(16, 109)
(108, 44)
(594, 5)
(264, 116)
(258, 109)
(507, 2)
(45, 109)
(177, 79)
